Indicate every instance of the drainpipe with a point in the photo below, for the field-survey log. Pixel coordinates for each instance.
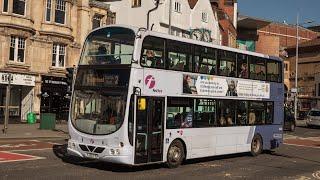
(153, 9)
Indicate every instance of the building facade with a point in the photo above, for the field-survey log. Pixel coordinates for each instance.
(227, 11)
(38, 41)
(308, 73)
(189, 19)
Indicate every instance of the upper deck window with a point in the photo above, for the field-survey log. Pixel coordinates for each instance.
(273, 71)
(227, 65)
(178, 58)
(108, 46)
(257, 68)
(205, 60)
(153, 52)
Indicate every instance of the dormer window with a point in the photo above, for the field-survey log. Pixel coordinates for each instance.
(204, 17)
(177, 7)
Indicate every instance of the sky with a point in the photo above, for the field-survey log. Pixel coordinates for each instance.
(282, 10)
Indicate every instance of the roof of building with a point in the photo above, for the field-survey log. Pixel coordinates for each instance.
(313, 42)
(252, 22)
(192, 3)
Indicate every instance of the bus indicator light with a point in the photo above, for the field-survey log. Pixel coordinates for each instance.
(142, 104)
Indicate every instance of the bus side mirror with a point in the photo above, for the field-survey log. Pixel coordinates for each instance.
(142, 104)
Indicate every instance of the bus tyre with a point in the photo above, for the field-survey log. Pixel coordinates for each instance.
(175, 154)
(256, 145)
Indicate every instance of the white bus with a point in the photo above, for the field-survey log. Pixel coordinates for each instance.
(144, 97)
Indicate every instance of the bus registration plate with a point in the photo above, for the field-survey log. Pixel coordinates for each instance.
(92, 156)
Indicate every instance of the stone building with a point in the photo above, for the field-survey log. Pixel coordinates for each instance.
(227, 11)
(308, 73)
(38, 41)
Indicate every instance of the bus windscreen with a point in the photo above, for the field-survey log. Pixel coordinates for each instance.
(112, 45)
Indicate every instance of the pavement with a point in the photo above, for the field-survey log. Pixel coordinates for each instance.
(32, 131)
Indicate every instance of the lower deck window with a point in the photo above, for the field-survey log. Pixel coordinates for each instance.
(200, 113)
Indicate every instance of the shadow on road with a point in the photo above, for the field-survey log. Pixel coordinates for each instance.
(290, 156)
(61, 152)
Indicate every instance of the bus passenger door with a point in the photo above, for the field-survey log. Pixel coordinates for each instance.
(149, 129)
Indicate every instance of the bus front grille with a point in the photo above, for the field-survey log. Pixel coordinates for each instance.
(91, 148)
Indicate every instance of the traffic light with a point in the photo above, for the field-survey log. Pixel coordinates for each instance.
(69, 75)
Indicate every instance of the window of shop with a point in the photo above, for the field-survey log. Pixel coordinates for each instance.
(136, 3)
(96, 21)
(17, 49)
(19, 7)
(5, 6)
(48, 11)
(58, 55)
(60, 11)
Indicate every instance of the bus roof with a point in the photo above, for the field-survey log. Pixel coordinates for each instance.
(191, 41)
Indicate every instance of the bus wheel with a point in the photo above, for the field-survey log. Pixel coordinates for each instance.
(256, 145)
(175, 154)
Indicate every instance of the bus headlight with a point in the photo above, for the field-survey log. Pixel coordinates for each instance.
(71, 145)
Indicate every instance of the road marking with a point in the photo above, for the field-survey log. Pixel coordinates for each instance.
(316, 175)
(24, 150)
(14, 157)
(301, 145)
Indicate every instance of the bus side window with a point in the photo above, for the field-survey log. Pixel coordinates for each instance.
(257, 68)
(269, 113)
(226, 113)
(153, 52)
(242, 113)
(257, 113)
(178, 58)
(242, 65)
(179, 113)
(227, 66)
(274, 70)
(205, 60)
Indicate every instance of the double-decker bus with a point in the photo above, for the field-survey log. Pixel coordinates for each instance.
(144, 97)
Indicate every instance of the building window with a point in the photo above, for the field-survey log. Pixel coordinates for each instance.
(17, 48)
(204, 17)
(48, 11)
(136, 3)
(111, 18)
(177, 7)
(5, 6)
(60, 12)
(96, 21)
(19, 7)
(58, 55)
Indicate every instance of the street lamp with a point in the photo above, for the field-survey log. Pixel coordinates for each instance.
(296, 71)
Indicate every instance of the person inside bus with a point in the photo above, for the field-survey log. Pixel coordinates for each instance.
(252, 117)
(177, 120)
(260, 73)
(232, 72)
(213, 70)
(229, 117)
(222, 120)
(244, 71)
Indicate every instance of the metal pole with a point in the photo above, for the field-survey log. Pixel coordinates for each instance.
(170, 14)
(6, 115)
(296, 77)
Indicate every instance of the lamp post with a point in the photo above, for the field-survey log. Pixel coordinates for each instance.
(296, 70)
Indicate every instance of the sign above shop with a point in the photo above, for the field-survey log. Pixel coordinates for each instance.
(17, 79)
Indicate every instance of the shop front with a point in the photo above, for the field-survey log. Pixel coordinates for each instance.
(21, 95)
(55, 96)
